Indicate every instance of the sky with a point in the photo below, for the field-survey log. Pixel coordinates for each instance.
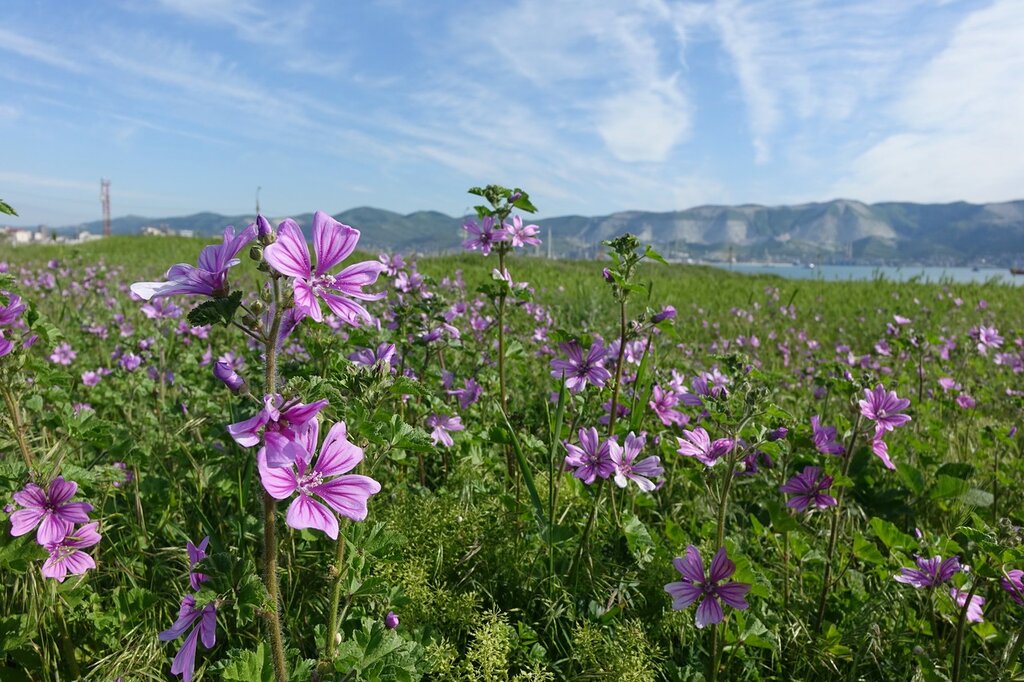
(592, 107)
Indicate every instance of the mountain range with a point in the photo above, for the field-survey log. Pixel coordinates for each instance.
(838, 231)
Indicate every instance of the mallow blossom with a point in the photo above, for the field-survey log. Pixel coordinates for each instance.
(52, 511)
(67, 555)
(628, 469)
(333, 242)
(283, 427)
(205, 621)
(592, 458)
(521, 235)
(698, 444)
(210, 278)
(579, 370)
(326, 479)
(974, 612)
(442, 425)
(711, 589)
(929, 572)
(885, 409)
(483, 237)
(196, 553)
(808, 490)
(824, 438)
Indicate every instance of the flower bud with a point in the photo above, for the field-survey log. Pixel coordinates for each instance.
(256, 252)
(778, 434)
(391, 620)
(264, 230)
(669, 313)
(223, 371)
(607, 274)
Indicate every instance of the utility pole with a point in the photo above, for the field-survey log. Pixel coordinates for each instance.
(258, 200)
(105, 200)
(550, 238)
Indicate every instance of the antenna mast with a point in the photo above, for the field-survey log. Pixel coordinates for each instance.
(105, 200)
(258, 188)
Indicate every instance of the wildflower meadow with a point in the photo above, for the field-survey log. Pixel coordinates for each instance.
(275, 457)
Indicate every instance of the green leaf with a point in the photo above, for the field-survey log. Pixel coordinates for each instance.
(524, 468)
(948, 487)
(865, 550)
(6, 208)
(250, 666)
(891, 536)
(649, 252)
(976, 497)
(641, 546)
(217, 311)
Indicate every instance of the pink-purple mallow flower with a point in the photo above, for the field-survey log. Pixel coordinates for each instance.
(51, 511)
(592, 458)
(698, 444)
(712, 588)
(974, 612)
(521, 235)
(885, 409)
(808, 490)
(196, 553)
(345, 494)
(283, 427)
(333, 242)
(226, 373)
(483, 237)
(67, 555)
(391, 620)
(663, 404)
(579, 370)
(628, 469)
(441, 426)
(929, 572)
(205, 621)
(209, 279)
(825, 438)
(1013, 582)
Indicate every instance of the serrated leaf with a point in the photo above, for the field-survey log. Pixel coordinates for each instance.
(217, 311)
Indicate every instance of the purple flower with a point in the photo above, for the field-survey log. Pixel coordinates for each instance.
(592, 457)
(695, 585)
(51, 511)
(442, 424)
(333, 242)
(579, 370)
(347, 495)
(628, 469)
(808, 489)
(368, 357)
(66, 555)
(697, 444)
(209, 279)
(929, 572)
(521, 235)
(884, 408)
(391, 620)
(10, 312)
(965, 401)
(825, 438)
(483, 237)
(778, 434)
(1013, 582)
(90, 379)
(468, 394)
(662, 403)
(195, 555)
(283, 430)
(63, 354)
(226, 373)
(668, 313)
(881, 450)
(184, 663)
(988, 337)
(974, 614)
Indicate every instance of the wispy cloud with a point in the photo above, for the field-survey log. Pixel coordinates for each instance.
(11, 41)
(958, 122)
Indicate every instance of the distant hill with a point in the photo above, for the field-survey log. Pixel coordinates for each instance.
(834, 231)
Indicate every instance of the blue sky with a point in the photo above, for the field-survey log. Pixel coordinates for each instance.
(593, 106)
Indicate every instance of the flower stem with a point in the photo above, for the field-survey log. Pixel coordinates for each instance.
(836, 518)
(330, 646)
(574, 567)
(17, 424)
(618, 368)
(270, 511)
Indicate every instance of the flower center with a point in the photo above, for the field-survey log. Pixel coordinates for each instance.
(310, 481)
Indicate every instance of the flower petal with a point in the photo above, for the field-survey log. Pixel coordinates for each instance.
(279, 482)
(348, 495)
(709, 612)
(734, 594)
(690, 565)
(305, 512)
(338, 455)
(289, 255)
(333, 242)
(683, 594)
(721, 567)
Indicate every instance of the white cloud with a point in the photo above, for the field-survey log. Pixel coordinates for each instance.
(645, 124)
(38, 51)
(958, 125)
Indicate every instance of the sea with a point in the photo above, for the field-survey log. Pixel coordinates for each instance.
(841, 273)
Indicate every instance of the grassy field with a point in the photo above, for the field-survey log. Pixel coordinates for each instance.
(495, 554)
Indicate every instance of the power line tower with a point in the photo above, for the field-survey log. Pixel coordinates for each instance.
(105, 200)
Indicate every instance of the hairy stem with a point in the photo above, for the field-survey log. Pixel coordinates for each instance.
(17, 425)
(618, 368)
(270, 511)
(330, 645)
